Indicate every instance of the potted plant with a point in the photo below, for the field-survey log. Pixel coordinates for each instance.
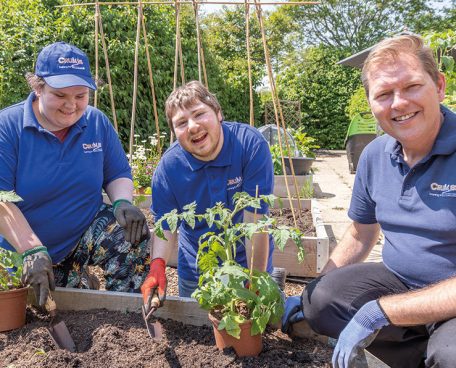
(13, 294)
(240, 301)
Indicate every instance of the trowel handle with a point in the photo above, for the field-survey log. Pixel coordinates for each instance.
(50, 306)
(155, 302)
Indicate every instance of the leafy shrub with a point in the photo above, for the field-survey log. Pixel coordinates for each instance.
(324, 90)
(358, 103)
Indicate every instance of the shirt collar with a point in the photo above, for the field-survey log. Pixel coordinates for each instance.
(30, 119)
(222, 159)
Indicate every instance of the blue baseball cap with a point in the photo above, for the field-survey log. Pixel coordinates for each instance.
(63, 65)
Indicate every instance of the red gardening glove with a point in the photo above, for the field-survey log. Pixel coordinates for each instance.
(155, 283)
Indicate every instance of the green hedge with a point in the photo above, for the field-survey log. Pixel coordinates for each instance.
(324, 90)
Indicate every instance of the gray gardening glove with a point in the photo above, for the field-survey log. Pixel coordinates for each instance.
(37, 272)
(358, 334)
(132, 220)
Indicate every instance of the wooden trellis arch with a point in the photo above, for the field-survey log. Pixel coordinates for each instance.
(178, 63)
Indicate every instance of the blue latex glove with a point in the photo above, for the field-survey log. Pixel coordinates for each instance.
(293, 313)
(358, 334)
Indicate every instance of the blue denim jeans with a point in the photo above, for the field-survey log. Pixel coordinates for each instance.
(186, 287)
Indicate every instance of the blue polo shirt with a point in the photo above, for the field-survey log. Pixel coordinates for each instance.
(243, 163)
(60, 183)
(416, 208)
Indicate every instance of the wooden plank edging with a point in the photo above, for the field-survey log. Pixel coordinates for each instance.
(185, 310)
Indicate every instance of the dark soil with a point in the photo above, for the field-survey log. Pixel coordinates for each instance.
(118, 340)
(303, 219)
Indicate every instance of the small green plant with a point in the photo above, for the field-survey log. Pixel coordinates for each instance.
(306, 145)
(276, 159)
(222, 284)
(307, 190)
(145, 158)
(10, 262)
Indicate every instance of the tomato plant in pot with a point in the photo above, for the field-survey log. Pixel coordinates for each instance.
(13, 294)
(240, 301)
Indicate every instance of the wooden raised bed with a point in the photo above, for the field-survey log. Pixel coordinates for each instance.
(280, 189)
(316, 247)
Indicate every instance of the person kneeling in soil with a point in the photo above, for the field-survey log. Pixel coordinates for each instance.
(404, 308)
(211, 161)
(58, 154)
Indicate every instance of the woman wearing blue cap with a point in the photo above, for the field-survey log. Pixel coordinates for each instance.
(58, 153)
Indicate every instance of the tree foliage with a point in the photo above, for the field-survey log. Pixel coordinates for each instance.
(324, 90)
(225, 39)
(357, 24)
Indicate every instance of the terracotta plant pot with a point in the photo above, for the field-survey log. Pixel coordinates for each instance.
(12, 307)
(246, 345)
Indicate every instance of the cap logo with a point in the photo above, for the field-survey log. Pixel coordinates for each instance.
(73, 62)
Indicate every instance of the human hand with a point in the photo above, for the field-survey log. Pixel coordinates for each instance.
(155, 282)
(132, 220)
(293, 313)
(37, 272)
(358, 334)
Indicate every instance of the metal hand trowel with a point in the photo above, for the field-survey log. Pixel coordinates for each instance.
(57, 328)
(155, 329)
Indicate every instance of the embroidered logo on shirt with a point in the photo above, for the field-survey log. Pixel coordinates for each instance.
(92, 147)
(443, 190)
(234, 183)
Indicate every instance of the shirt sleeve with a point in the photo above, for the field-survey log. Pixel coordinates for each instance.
(362, 207)
(9, 140)
(115, 163)
(163, 199)
(258, 171)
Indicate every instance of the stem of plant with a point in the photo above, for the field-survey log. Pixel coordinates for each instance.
(252, 242)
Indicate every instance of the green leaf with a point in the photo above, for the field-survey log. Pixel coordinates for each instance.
(172, 219)
(281, 236)
(10, 196)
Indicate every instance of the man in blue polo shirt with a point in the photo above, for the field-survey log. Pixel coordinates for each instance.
(405, 185)
(210, 162)
(58, 154)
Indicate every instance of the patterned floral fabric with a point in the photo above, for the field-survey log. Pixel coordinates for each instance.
(125, 265)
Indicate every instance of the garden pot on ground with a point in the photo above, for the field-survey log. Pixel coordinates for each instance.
(301, 165)
(12, 307)
(246, 345)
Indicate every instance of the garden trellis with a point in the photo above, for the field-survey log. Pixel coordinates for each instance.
(179, 64)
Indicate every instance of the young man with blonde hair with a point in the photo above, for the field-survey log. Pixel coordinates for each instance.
(403, 308)
(210, 162)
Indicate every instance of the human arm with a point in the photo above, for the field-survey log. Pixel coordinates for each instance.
(129, 217)
(121, 188)
(156, 279)
(418, 307)
(15, 228)
(37, 265)
(260, 244)
(354, 247)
